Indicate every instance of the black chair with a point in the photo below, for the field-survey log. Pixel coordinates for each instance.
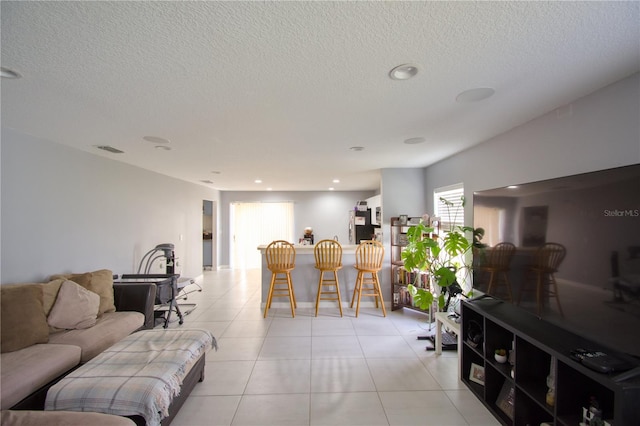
(166, 294)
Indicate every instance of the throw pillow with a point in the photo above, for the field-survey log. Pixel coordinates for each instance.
(99, 282)
(22, 318)
(50, 293)
(75, 307)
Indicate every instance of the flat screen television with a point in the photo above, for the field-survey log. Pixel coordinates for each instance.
(596, 217)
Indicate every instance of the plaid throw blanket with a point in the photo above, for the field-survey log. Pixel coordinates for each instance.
(139, 375)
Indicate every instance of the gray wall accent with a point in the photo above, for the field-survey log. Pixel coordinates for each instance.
(327, 212)
(65, 210)
(403, 192)
(596, 132)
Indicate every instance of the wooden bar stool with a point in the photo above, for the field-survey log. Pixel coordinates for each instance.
(281, 260)
(547, 260)
(369, 255)
(497, 265)
(328, 254)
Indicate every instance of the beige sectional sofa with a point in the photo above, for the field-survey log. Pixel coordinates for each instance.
(48, 329)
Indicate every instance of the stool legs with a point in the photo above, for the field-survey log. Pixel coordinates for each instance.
(331, 283)
(281, 286)
(494, 277)
(292, 296)
(371, 286)
(541, 278)
(267, 306)
(555, 293)
(508, 284)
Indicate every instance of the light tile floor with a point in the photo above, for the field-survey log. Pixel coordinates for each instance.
(327, 370)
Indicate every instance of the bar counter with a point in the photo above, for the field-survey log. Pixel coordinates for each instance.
(305, 278)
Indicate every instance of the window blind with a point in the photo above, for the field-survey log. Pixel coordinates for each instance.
(255, 224)
(450, 211)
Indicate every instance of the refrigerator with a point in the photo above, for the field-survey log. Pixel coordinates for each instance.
(360, 227)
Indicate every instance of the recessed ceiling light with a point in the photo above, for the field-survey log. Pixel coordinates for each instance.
(512, 186)
(269, 189)
(475, 95)
(8, 73)
(216, 172)
(403, 72)
(258, 181)
(357, 148)
(331, 189)
(163, 147)
(155, 139)
(414, 141)
(336, 181)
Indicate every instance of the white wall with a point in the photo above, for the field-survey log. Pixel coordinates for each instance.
(601, 131)
(402, 192)
(327, 212)
(65, 210)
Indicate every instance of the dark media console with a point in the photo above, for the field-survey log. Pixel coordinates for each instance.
(516, 392)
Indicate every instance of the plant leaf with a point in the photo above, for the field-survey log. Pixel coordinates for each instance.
(445, 276)
(422, 298)
(456, 243)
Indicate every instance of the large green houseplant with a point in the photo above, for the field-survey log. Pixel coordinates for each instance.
(445, 258)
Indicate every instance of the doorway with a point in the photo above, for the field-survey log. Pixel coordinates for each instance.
(209, 240)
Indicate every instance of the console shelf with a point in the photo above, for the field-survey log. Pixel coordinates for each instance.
(539, 346)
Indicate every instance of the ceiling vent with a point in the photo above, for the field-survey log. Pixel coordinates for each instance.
(109, 149)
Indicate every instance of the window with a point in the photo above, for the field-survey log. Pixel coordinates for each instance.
(451, 211)
(492, 220)
(254, 224)
(448, 205)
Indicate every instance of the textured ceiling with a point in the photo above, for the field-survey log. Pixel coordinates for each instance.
(281, 90)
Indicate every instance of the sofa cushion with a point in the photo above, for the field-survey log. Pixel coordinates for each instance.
(61, 418)
(100, 282)
(75, 307)
(109, 329)
(27, 370)
(23, 322)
